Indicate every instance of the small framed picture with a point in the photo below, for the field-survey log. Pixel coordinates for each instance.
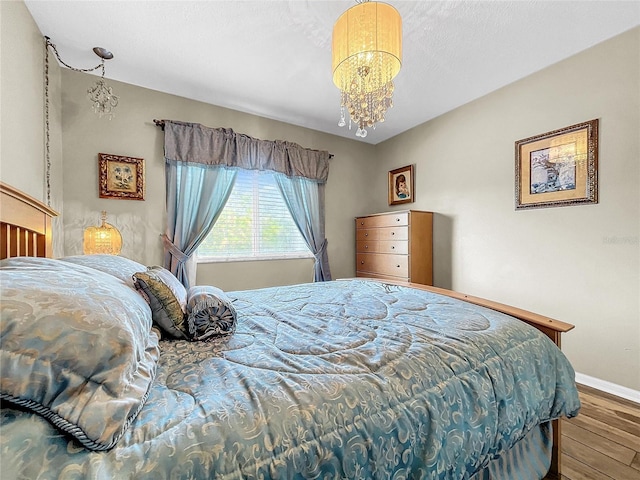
(558, 168)
(401, 185)
(120, 177)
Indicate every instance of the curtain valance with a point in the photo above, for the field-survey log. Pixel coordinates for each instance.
(195, 143)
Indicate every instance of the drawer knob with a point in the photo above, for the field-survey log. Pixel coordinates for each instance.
(393, 233)
(361, 223)
(397, 219)
(393, 247)
(398, 266)
(366, 234)
(361, 262)
(366, 246)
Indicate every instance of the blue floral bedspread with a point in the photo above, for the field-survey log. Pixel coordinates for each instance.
(346, 379)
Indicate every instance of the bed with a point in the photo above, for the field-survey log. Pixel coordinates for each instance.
(353, 378)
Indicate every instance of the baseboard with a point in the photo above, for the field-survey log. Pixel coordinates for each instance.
(612, 388)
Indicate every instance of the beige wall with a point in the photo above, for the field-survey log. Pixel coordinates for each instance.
(22, 137)
(579, 264)
(133, 133)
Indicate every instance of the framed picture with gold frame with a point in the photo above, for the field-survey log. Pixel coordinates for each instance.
(120, 177)
(558, 168)
(402, 185)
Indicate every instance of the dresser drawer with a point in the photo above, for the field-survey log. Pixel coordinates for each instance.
(396, 247)
(383, 220)
(394, 265)
(367, 246)
(367, 234)
(393, 233)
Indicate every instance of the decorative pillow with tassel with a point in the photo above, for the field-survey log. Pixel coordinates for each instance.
(167, 298)
(210, 313)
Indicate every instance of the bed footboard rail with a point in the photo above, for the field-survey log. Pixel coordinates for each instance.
(551, 327)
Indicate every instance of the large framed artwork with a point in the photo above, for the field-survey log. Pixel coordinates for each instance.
(401, 185)
(558, 168)
(120, 177)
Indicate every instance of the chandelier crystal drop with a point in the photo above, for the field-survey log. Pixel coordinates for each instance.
(367, 55)
(102, 99)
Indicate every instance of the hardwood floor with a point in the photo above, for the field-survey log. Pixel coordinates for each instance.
(603, 441)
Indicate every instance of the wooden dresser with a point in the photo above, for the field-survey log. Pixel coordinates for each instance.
(396, 245)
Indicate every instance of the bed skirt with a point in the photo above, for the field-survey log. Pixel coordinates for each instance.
(529, 459)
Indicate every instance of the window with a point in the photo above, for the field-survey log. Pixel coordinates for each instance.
(255, 224)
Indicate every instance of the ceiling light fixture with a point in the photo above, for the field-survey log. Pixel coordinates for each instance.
(366, 56)
(100, 94)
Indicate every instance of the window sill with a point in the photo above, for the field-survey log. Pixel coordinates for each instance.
(254, 259)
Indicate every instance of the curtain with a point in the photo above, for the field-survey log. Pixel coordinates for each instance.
(195, 143)
(305, 200)
(200, 172)
(196, 195)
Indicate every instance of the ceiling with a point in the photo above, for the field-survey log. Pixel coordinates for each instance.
(273, 57)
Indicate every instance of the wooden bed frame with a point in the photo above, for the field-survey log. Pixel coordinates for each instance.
(25, 225)
(26, 231)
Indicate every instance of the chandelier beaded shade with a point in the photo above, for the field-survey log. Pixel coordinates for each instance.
(105, 239)
(366, 56)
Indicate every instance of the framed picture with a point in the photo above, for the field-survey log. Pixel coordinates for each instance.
(120, 177)
(401, 185)
(558, 168)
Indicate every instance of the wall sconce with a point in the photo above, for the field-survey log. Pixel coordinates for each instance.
(105, 239)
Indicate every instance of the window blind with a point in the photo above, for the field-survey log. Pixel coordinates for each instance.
(254, 224)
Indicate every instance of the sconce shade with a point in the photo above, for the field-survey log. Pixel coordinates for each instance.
(105, 239)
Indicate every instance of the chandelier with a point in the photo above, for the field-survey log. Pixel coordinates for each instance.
(366, 56)
(100, 94)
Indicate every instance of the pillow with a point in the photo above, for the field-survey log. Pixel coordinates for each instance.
(167, 298)
(210, 313)
(119, 267)
(77, 348)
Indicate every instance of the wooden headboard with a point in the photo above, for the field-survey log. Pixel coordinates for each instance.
(25, 225)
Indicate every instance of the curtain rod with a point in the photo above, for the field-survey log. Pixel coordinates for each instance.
(160, 123)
